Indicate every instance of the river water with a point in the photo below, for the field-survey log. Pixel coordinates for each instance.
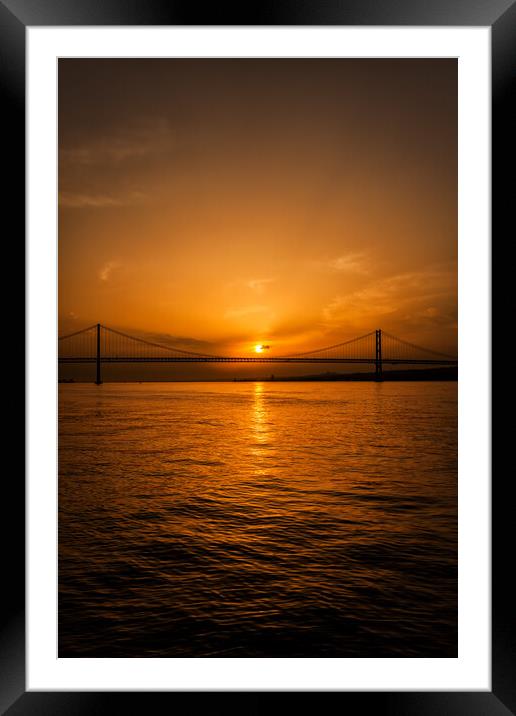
(258, 520)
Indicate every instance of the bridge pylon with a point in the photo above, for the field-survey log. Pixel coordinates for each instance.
(98, 379)
(378, 356)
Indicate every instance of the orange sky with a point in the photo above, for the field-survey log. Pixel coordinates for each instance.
(216, 204)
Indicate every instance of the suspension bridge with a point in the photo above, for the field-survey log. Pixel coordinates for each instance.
(99, 344)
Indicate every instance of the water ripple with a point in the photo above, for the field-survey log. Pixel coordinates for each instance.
(264, 520)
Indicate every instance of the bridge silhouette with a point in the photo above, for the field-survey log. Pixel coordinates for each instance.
(99, 344)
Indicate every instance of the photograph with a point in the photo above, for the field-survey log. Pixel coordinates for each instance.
(259, 325)
(257, 331)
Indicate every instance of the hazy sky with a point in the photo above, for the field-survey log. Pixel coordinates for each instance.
(222, 203)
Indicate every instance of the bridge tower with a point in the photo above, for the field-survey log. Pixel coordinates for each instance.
(378, 357)
(98, 379)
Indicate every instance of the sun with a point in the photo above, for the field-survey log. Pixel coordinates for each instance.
(258, 348)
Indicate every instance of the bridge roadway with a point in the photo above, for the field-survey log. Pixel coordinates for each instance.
(253, 359)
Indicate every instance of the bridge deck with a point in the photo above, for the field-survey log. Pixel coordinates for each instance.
(243, 359)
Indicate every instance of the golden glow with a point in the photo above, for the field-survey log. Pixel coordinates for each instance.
(210, 201)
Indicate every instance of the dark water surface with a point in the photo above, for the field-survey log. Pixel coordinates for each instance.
(258, 519)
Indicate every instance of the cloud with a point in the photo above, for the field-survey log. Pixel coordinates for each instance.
(404, 296)
(106, 270)
(431, 312)
(98, 201)
(173, 341)
(352, 262)
(133, 143)
(243, 311)
(258, 284)
(445, 315)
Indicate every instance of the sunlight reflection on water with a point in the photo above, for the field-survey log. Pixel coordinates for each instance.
(258, 519)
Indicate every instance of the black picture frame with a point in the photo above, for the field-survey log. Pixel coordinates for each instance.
(500, 16)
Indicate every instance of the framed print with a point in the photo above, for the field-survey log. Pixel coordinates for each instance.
(258, 251)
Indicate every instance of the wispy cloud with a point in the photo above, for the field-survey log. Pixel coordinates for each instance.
(258, 284)
(350, 262)
(401, 295)
(243, 311)
(70, 200)
(135, 142)
(172, 341)
(107, 269)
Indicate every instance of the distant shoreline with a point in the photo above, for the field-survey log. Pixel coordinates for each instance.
(425, 374)
(431, 375)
